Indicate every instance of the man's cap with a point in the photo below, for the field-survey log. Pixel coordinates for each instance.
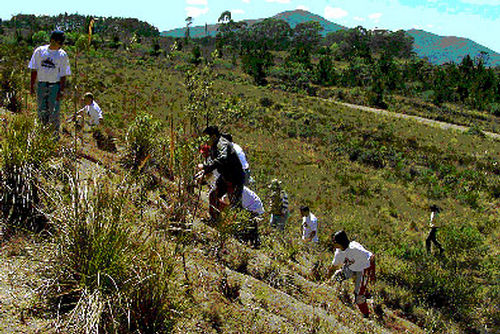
(58, 36)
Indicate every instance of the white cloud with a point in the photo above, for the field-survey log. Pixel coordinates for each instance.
(483, 2)
(237, 11)
(334, 13)
(375, 17)
(430, 26)
(196, 11)
(197, 2)
(279, 1)
(302, 7)
(246, 1)
(359, 19)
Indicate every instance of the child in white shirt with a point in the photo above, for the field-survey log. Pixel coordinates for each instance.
(358, 263)
(91, 112)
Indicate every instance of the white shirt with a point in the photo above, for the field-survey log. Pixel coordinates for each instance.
(50, 65)
(251, 202)
(241, 156)
(94, 113)
(309, 225)
(355, 257)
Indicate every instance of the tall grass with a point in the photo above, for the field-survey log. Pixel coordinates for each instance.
(25, 149)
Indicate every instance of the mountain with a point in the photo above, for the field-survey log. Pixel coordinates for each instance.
(438, 49)
(291, 17)
(445, 49)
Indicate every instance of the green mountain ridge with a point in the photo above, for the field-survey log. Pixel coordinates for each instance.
(437, 49)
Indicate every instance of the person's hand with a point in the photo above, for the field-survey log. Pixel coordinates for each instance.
(339, 276)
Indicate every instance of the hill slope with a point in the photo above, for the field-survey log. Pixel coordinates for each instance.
(438, 49)
(444, 49)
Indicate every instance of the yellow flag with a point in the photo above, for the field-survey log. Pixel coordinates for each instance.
(91, 24)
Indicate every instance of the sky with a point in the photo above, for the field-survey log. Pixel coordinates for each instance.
(478, 20)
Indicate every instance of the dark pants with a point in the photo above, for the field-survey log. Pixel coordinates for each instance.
(222, 187)
(431, 238)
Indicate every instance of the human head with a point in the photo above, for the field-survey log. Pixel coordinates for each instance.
(88, 98)
(228, 137)
(58, 37)
(275, 184)
(340, 240)
(435, 208)
(213, 132)
(304, 210)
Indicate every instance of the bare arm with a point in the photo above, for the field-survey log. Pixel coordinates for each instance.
(34, 74)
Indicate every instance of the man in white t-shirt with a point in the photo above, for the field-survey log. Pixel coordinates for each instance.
(309, 225)
(91, 112)
(356, 262)
(49, 66)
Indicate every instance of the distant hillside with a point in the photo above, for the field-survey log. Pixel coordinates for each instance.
(444, 49)
(438, 49)
(291, 17)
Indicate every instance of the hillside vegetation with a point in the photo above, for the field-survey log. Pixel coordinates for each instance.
(126, 250)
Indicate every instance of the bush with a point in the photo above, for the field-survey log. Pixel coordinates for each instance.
(25, 150)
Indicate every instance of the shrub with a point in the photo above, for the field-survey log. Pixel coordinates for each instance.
(25, 149)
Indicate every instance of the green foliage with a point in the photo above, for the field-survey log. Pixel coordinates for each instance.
(142, 142)
(25, 149)
(40, 37)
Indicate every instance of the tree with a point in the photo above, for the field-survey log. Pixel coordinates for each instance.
(189, 21)
(305, 40)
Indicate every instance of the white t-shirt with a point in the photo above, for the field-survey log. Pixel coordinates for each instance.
(241, 156)
(94, 113)
(50, 65)
(251, 202)
(309, 225)
(355, 257)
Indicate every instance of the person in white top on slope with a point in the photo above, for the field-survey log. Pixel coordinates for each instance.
(250, 201)
(356, 262)
(309, 225)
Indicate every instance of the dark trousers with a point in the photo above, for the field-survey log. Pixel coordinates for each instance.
(431, 238)
(222, 187)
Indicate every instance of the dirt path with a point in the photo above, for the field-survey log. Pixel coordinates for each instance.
(442, 125)
(19, 280)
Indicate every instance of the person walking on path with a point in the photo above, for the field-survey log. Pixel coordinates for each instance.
(309, 225)
(356, 262)
(225, 161)
(278, 205)
(433, 224)
(50, 66)
(241, 155)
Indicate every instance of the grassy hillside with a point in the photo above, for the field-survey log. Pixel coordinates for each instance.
(129, 251)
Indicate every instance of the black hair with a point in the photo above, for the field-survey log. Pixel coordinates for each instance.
(341, 238)
(228, 137)
(304, 208)
(435, 208)
(58, 36)
(211, 130)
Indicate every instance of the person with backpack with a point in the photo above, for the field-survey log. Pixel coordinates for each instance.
(223, 159)
(241, 156)
(278, 205)
(355, 262)
(50, 66)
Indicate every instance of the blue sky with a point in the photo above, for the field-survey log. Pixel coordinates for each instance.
(478, 20)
